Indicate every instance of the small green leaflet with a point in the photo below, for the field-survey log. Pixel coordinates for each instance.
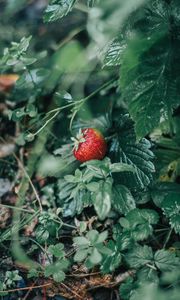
(122, 200)
(57, 269)
(139, 256)
(112, 261)
(102, 198)
(56, 250)
(171, 208)
(58, 9)
(114, 53)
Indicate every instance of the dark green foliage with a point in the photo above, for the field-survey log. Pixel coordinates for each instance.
(117, 216)
(124, 148)
(149, 62)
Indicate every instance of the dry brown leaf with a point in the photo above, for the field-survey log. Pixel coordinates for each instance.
(29, 229)
(5, 215)
(7, 81)
(6, 149)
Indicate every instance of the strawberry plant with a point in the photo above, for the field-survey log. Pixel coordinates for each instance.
(89, 149)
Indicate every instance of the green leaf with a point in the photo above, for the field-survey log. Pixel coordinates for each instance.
(2, 286)
(124, 148)
(92, 186)
(127, 288)
(102, 198)
(121, 167)
(82, 226)
(98, 168)
(42, 234)
(166, 261)
(142, 232)
(73, 198)
(71, 179)
(150, 215)
(57, 250)
(147, 274)
(49, 270)
(58, 9)
(124, 223)
(161, 190)
(62, 163)
(102, 237)
(57, 270)
(95, 257)
(92, 236)
(124, 241)
(81, 242)
(81, 255)
(139, 223)
(33, 273)
(113, 260)
(149, 72)
(91, 247)
(59, 276)
(171, 208)
(139, 256)
(122, 200)
(113, 55)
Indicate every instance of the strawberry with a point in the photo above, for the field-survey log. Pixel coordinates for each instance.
(89, 144)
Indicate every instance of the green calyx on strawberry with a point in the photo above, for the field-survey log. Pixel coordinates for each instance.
(89, 144)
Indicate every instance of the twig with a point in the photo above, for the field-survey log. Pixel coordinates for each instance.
(43, 250)
(167, 238)
(81, 102)
(27, 288)
(12, 231)
(18, 208)
(117, 294)
(151, 267)
(29, 291)
(72, 34)
(30, 181)
(71, 290)
(83, 275)
(44, 264)
(45, 124)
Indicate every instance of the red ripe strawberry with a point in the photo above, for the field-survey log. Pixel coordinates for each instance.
(89, 144)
